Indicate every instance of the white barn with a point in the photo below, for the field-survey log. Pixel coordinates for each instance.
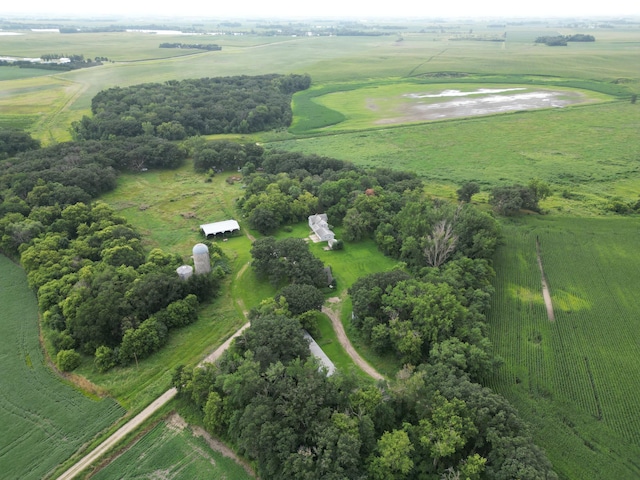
(213, 229)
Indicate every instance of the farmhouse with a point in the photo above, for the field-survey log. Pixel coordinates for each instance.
(318, 223)
(213, 229)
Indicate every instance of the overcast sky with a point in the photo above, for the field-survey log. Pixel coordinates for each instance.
(325, 8)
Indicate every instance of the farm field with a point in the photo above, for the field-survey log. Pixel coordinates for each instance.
(38, 412)
(576, 378)
(171, 450)
(137, 59)
(589, 152)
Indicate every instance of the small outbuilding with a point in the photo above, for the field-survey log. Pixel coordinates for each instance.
(213, 229)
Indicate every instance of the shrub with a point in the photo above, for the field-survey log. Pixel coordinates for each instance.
(68, 360)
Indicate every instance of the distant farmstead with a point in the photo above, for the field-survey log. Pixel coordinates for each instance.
(213, 229)
(320, 227)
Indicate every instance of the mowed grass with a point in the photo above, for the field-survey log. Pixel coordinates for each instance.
(589, 153)
(44, 420)
(171, 450)
(575, 379)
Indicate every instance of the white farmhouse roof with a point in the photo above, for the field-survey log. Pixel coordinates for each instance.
(220, 227)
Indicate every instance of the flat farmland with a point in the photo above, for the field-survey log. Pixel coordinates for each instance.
(38, 412)
(589, 152)
(575, 379)
(171, 450)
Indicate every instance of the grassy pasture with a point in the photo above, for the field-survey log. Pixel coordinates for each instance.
(574, 379)
(38, 412)
(171, 450)
(588, 151)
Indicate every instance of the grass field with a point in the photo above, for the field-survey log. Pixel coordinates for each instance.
(38, 412)
(574, 379)
(587, 151)
(171, 450)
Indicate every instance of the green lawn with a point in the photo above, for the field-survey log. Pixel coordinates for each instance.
(44, 420)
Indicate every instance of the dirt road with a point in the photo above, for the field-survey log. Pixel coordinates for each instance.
(346, 344)
(127, 428)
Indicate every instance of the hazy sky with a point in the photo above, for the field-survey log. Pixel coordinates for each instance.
(325, 8)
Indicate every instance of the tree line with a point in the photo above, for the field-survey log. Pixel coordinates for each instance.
(196, 46)
(98, 291)
(176, 109)
(562, 40)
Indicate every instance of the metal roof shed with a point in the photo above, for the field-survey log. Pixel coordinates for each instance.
(227, 226)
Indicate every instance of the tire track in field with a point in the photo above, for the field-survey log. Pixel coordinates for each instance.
(545, 286)
(410, 74)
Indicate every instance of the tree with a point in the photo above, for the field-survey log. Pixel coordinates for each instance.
(440, 244)
(466, 191)
(539, 189)
(68, 360)
(105, 358)
(301, 298)
(393, 459)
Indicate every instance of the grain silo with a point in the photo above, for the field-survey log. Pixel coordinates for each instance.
(201, 258)
(185, 271)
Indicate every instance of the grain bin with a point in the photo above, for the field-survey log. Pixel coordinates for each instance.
(201, 258)
(184, 271)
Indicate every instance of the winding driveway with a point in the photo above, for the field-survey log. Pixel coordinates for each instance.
(348, 347)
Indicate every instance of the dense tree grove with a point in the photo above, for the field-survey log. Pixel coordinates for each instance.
(288, 260)
(290, 186)
(271, 400)
(98, 291)
(510, 199)
(203, 106)
(14, 141)
(562, 40)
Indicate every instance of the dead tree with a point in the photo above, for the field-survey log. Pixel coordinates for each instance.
(440, 244)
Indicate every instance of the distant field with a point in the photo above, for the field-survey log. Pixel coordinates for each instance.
(44, 421)
(327, 59)
(589, 152)
(171, 450)
(574, 379)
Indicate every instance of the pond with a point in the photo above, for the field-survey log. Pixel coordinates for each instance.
(452, 103)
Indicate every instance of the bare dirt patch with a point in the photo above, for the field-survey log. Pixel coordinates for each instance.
(456, 104)
(218, 446)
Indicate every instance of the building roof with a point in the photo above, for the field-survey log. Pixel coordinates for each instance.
(220, 227)
(317, 352)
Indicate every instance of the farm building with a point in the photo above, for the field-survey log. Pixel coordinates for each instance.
(318, 223)
(213, 229)
(317, 352)
(201, 258)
